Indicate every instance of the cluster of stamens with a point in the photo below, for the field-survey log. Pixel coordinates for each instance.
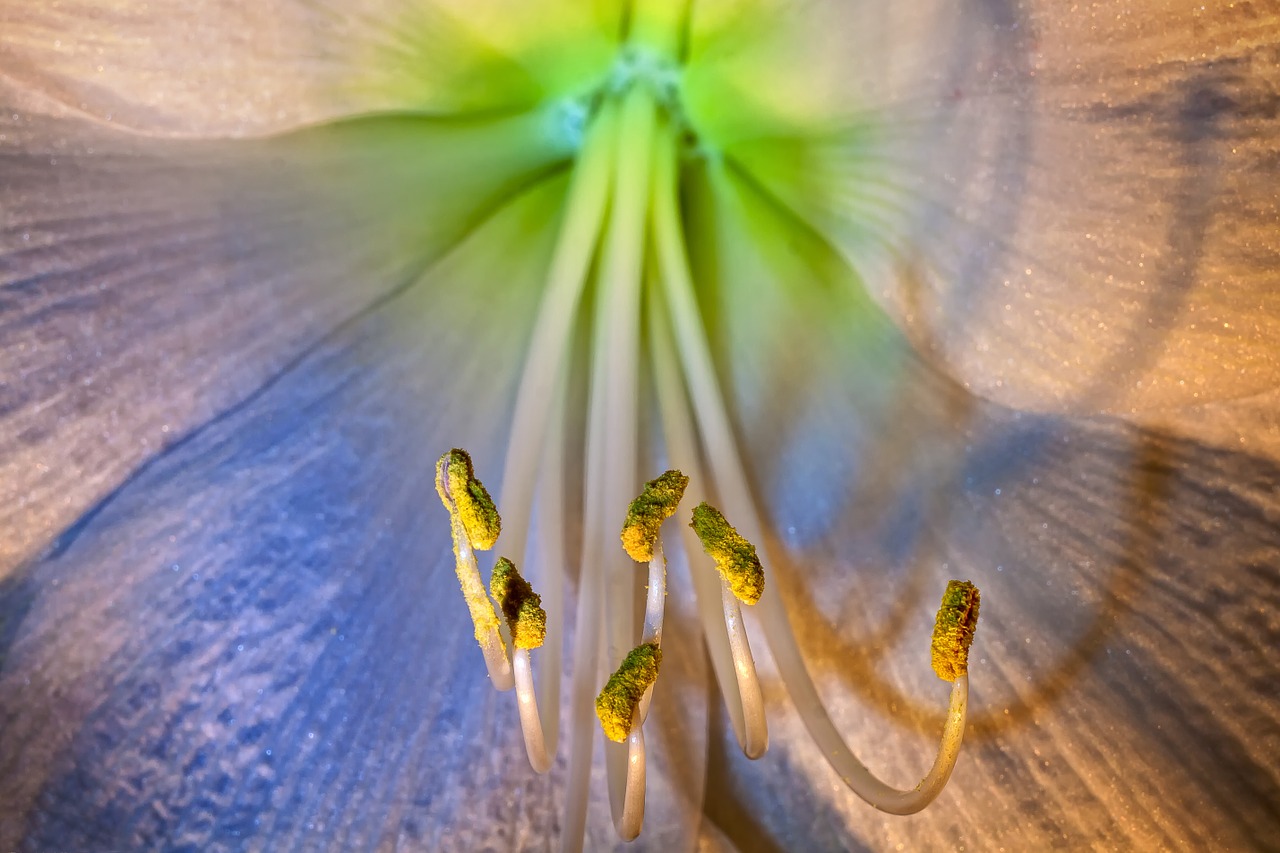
(622, 705)
(619, 283)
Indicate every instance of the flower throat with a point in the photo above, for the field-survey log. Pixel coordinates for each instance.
(622, 235)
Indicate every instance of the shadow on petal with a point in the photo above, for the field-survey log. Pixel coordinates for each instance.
(1122, 668)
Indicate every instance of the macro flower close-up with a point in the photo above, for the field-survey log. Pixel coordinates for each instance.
(595, 424)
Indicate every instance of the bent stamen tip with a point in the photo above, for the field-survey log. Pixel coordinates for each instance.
(617, 702)
(463, 494)
(654, 505)
(520, 605)
(954, 629)
(735, 557)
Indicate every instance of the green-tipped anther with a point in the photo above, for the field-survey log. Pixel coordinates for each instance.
(462, 493)
(616, 704)
(735, 557)
(655, 505)
(520, 605)
(953, 630)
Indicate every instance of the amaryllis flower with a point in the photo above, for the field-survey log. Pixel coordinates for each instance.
(912, 292)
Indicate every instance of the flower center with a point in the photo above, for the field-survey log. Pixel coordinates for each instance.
(620, 277)
(621, 242)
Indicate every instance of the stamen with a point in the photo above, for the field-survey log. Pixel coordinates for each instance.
(741, 580)
(611, 451)
(474, 524)
(619, 707)
(623, 704)
(656, 503)
(527, 622)
(742, 693)
(545, 363)
(713, 424)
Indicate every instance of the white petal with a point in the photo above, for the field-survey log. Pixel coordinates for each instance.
(260, 635)
(151, 286)
(1121, 667)
(228, 67)
(1076, 201)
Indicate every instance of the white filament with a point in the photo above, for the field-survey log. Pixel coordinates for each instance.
(530, 719)
(735, 493)
(629, 822)
(749, 720)
(491, 645)
(621, 272)
(590, 591)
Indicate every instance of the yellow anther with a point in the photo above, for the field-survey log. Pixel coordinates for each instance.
(463, 494)
(735, 557)
(953, 630)
(617, 702)
(655, 505)
(520, 605)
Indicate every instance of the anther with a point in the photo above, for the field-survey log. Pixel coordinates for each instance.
(953, 630)
(520, 605)
(654, 505)
(616, 705)
(735, 557)
(463, 494)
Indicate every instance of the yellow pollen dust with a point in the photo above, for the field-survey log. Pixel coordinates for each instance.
(462, 493)
(953, 631)
(735, 557)
(655, 505)
(617, 702)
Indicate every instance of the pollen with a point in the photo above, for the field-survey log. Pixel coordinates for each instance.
(735, 557)
(462, 493)
(617, 702)
(520, 605)
(655, 505)
(953, 631)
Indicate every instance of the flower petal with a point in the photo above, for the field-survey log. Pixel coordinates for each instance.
(1120, 675)
(1137, 271)
(256, 640)
(150, 286)
(229, 67)
(1068, 207)
(257, 635)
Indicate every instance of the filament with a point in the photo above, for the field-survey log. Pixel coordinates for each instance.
(629, 822)
(731, 651)
(734, 490)
(530, 719)
(491, 645)
(548, 349)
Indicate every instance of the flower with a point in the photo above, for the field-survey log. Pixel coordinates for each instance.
(988, 290)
